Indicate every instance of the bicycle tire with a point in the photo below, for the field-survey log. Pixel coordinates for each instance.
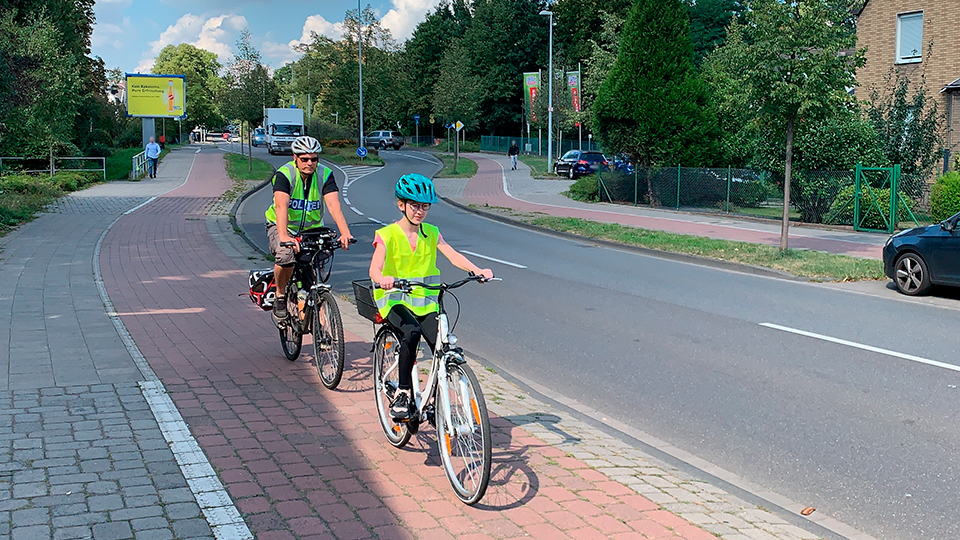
(291, 338)
(386, 347)
(465, 447)
(328, 341)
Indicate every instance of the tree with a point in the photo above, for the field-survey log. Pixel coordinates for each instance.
(579, 22)
(797, 67)
(907, 126)
(246, 83)
(455, 96)
(603, 55)
(708, 24)
(424, 51)
(201, 71)
(653, 105)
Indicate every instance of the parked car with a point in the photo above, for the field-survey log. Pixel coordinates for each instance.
(581, 162)
(259, 137)
(383, 139)
(918, 258)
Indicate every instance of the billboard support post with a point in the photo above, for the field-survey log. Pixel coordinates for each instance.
(149, 129)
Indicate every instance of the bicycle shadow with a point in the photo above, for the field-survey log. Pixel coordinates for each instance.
(547, 420)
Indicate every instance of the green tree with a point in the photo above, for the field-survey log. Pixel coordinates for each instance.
(424, 51)
(653, 105)
(708, 24)
(246, 83)
(797, 67)
(578, 22)
(724, 70)
(201, 70)
(603, 55)
(907, 125)
(455, 96)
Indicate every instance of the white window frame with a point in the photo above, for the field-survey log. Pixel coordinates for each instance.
(912, 59)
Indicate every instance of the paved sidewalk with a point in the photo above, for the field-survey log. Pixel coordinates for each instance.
(303, 462)
(525, 194)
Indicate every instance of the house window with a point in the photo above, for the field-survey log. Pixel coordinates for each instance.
(909, 37)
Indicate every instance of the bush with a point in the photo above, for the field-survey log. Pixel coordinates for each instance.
(945, 197)
(842, 209)
(339, 143)
(586, 189)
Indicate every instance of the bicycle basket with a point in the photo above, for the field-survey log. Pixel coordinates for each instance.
(263, 290)
(366, 306)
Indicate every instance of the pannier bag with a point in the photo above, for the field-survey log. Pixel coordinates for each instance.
(263, 291)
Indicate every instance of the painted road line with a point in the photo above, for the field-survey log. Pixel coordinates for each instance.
(508, 263)
(376, 221)
(870, 348)
(409, 155)
(359, 213)
(345, 199)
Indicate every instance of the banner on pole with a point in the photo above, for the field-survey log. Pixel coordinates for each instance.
(573, 86)
(531, 86)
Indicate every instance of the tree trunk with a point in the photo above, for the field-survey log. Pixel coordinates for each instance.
(652, 197)
(784, 228)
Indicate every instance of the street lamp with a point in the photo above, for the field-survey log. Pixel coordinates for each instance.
(549, 15)
(337, 115)
(360, 66)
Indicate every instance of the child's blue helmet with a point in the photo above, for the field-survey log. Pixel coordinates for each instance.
(417, 188)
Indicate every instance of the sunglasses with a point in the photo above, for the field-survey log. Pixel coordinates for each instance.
(308, 159)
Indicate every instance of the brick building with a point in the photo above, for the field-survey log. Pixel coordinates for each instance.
(920, 38)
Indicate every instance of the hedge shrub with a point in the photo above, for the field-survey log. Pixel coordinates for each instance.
(841, 211)
(586, 189)
(945, 197)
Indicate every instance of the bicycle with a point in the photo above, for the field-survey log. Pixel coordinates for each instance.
(311, 307)
(463, 425)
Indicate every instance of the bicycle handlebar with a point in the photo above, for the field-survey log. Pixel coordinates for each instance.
(336, 245)
(405, 285)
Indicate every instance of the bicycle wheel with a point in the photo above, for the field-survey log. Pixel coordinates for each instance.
(328, 340)
(386, 380)
(465, 447)
(291, 338)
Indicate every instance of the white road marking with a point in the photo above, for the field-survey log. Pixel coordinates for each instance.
(376, 221)
(508, 263)
(359, 213)
(870, 348)
(345, 199)
(409, 155)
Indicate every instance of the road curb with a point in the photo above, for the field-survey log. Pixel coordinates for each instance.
(679, 257)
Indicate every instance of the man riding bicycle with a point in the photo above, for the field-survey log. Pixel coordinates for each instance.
(407, 249)
(303, 191)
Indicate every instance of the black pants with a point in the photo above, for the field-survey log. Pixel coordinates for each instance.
(411, 327)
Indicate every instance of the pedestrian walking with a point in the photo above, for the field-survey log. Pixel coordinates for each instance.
(153, 156)
(513, 152)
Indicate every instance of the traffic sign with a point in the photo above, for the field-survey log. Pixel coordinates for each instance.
(416, 119)
(361, 151)
(459, 125)
(431, 118)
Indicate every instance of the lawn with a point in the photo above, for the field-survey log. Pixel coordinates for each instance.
(120, 162)
(803, 263)
(238, 169)
(23, 196)
(466, 168)
(537, 164)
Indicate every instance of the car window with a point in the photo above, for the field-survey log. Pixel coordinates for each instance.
(592, 156)
(570, 155)
(396, 134)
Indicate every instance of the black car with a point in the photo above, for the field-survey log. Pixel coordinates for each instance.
(920, 257)
(581, 162)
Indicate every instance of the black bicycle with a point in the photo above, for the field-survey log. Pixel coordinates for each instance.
(311, 306)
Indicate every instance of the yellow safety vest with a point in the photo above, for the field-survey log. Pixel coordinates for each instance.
(305, 210)
(419, 265)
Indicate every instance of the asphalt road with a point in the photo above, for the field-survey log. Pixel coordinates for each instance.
(680, 351)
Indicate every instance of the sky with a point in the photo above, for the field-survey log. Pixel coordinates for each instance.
(129, 33)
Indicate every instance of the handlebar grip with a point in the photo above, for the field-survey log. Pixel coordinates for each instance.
(353, 240)
(288, 244)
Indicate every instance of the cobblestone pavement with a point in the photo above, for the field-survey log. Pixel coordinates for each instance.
(303, 462)
(526, 194)
(81, 453)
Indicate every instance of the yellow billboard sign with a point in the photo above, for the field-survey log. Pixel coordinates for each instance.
(156, 96)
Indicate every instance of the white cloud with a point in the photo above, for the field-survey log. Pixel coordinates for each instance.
(403, 18)
(279, 54)
(214, 34)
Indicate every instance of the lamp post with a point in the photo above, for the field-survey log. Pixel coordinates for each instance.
(337, 116)
(360, 66)
(549, 15)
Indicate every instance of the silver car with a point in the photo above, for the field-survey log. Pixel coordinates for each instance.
(383, 139)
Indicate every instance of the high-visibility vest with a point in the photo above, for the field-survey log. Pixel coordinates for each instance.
(305, 210)
(402, 262)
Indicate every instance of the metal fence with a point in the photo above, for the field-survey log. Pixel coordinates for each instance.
(828, 197)
(44, 165)
(534, 145)
(139, 164)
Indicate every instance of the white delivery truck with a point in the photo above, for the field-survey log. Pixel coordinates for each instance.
(282, 127)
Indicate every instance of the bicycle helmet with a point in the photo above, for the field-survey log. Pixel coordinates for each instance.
(305, 145)
(417, 188)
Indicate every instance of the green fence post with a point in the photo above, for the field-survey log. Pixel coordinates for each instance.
(678, 186)
(729, 179)
(856, 197)
(636, 186)
(894, 187)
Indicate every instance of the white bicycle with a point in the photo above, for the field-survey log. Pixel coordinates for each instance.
(451, 399)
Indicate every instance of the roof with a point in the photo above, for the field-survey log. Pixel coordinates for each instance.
(952, 87)
(857, 10)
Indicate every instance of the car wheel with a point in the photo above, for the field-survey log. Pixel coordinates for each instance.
(383, 145)
(570, 173)
(912, 277)
(396, 147)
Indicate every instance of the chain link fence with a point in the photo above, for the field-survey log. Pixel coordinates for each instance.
(534, 145)
(826, 197)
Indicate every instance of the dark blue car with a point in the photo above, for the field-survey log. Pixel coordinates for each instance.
(918, 258)
(580, 162)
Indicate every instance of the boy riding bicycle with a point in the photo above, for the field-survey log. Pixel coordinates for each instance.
(301, 192)
(407, 249)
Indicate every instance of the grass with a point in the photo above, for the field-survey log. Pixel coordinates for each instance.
(348, 156)
(537, 164)
(466, 168)
(120, 162)
(238, 169)
(23, 196)
(804, 263)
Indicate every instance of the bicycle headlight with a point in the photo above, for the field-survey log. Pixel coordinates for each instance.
(452, 340)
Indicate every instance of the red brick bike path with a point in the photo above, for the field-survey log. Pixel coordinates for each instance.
(303, 462)
(486, 187)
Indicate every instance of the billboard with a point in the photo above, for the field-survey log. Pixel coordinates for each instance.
(531, 85)
(156, 96)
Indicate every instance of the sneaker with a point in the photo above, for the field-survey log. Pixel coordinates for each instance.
(280, 309)
(400, 408)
